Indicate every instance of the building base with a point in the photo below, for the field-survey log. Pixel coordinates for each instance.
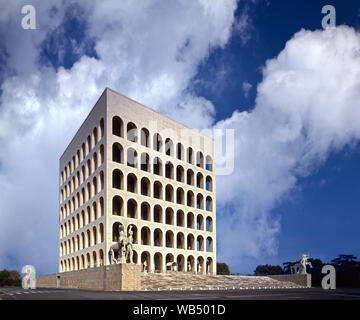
(124, 277)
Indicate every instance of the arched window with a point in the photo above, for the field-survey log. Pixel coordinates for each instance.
(209, 164)
(131, 183)
(144, 137)
(169, 193)
(117, 179)
(158, 238)
(131, 132)
(169, 216)
(158, 214)
(190, 177)
(200, 159)
(180, 243)
(209, 224)
(145, 162)
(132, 158)
(117, 127)
(169, 239)
(157, 142)
(157, 190)
(145, 187)
(209, 206)
(132, 209)
(180, 151)
(200, 222)
(179, 174)
(157, 166)
(145, 236)
(117, 153)
(180, 218)
(209, 186)
(180, 196)
(199, 180)
(190, 155)
(145, 211)
(190, 199)
(118, 205)
(169, 147)
(169, 170)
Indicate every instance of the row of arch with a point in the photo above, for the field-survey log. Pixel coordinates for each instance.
(86, 239)
(156, 167)
(84, 173)
(156, 262)
(86, 193)
(90, 214)
(157, 214)
(91, 142)
(160, 237)
(159, 144)
(157, 191)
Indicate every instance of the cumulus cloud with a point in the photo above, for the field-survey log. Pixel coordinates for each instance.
(246, 86)
(307, 106)
(148, 50)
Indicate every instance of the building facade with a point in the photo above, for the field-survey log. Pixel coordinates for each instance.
(131, 165)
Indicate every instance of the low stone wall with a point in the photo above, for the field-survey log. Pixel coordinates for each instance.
(300, 279)
(114, 277)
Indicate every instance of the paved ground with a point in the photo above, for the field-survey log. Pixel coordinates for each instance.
(275, 294)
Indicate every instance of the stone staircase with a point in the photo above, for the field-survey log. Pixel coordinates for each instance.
(190, 281)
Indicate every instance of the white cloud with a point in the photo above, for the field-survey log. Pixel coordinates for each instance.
(307, 106)
(148, 50)
(246, 86)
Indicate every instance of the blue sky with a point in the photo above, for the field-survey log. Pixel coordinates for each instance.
(295, 185)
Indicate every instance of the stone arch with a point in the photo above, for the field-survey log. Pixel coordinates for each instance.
(145, 187)
(157, 142)
(169, 239)
(180, 261)
(200, 243)
(180, 240)
(180, 197)
(131, 132)
(158, 214)
(169, 170)
(145, 261)
(132, 209)
(131, 183)
(158, 237)
(190, 264)
(200, 201)
(200, 159)
(209, 163)
(169, 216)
(117, 153)
(200, 180)
(157, 166)
(132, 160)
(117, 179)
(190, 220)
(145, 162)
(117, 206)
(169, 147)
(200, 264)
(145, 211)
(158, 262)
(157, 193)
(200, 222)
(209, 224)
(180, 218)
(117, 126)
(169, 193)
(179, 173)
(190, 177)
(144, 137)
(180, 154)
(145, 235)
(209, 244)
(209, 204)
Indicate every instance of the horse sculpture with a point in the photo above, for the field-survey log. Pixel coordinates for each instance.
(123, 247)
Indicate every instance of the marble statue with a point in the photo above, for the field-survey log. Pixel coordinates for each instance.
(300, 267)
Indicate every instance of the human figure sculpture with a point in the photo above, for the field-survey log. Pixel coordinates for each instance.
(118, 248)
(129, 246)
(300, 267)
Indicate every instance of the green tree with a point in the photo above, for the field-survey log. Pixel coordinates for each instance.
(222, 268)
(267, 269)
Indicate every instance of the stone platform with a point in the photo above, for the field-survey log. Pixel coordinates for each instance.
(128, 277)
